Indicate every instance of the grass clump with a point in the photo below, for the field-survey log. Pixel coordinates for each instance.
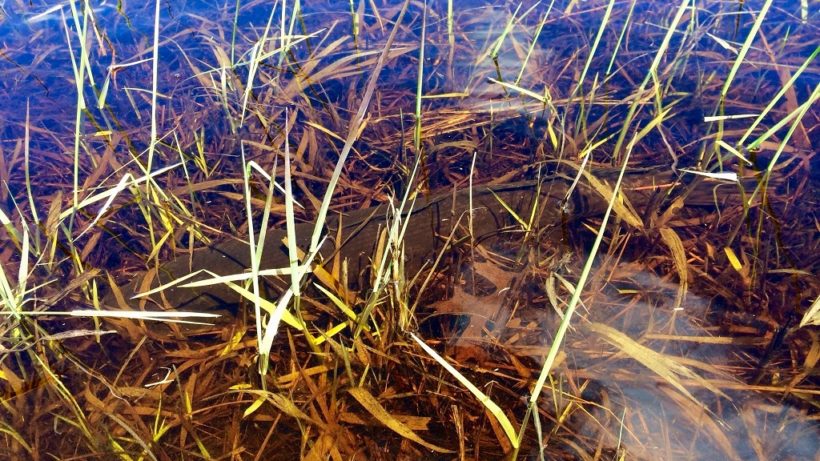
(383, 231)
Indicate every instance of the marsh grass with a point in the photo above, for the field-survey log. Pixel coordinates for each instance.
(669, 312)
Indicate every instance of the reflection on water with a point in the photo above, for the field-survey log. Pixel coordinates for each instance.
(651, 417)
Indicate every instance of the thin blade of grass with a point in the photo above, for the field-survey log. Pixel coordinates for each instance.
(663, 365)
(366, 399)
(812, 316)
(485, 400)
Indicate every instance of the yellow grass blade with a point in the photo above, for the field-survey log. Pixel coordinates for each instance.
(485, 400)
(254, 406)
(665, 366)
(733, 259)
(338, 302)
(620, 204)
(675, 245)
(812, 316)
(373, 406)
(524, 225)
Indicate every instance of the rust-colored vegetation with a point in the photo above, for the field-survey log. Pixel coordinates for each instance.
(651, 292)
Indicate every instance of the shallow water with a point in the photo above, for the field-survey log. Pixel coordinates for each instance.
(764, 401)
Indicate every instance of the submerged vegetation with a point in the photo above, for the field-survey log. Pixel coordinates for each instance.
(395, 230)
